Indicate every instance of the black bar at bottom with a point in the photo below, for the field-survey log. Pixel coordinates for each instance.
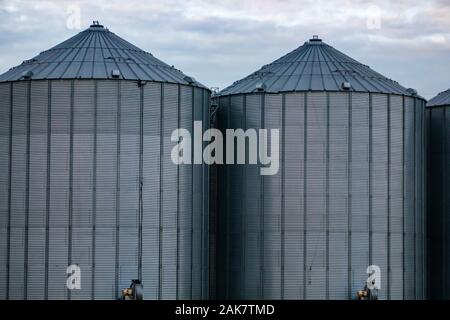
(236, 309)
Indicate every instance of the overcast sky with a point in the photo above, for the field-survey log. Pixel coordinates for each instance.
(219, 41)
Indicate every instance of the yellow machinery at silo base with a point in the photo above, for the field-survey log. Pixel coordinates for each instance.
(367, 294)
(134, 292)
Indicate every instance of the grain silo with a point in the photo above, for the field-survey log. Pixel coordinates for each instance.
(86, 176)
(438, 213)
(349, 192)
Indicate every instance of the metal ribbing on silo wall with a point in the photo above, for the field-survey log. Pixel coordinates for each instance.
(359, 191)
(438, 143)
(93, 184)
(338, 188)
(420, 201)
(59, 171)
(315, 196)
(409, 196)
(5, 136)
(18, 184)
(185, 221)
(82, 215)
(271, 213)
(252, 205)
(234, 208)
(129, 181)
(221, 214)
(106, 164)
(293, 195)
(378, 158)
(37, 190)
(205, 262)
(198, 271)
(395, 255)
(314, 228)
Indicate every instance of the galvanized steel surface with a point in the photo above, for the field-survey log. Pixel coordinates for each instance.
(87, 179)
(349, 194)
(438, 213)
(94, 54)
(442, 99)
(315, 66)
(86, 175)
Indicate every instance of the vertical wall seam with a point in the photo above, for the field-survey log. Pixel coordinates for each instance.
(94, 190)
(141, 182)
(327, 203)
(193, 196)
(8, 244)
(207, 206)
(243, 203)
(388, 286)
(283, 196)
(430, 149)
(72, 88)
(47, 195)
(178, 205)
(305, 167)
(403, 196)
(263, 106)
(349, 195)
(27, 194)
(202, 212)
(119, 111)
(227, 222)
(161, 173)
(370, 178)
(415, 199)
(424, 204)
(444, 212)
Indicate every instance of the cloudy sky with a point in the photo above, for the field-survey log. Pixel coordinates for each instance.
(221, 41)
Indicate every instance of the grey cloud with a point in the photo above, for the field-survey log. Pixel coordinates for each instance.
(224, 41)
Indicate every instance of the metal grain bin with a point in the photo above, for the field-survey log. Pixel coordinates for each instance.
(349, 192)
(438, 142)
(86, 175)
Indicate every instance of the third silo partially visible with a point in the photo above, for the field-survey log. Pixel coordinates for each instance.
(438, 213)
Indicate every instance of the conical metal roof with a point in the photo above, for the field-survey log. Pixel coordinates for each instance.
(97, 53)
(316, 66)
(442, 99)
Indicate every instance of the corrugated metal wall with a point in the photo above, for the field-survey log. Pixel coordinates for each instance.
(92, 183)
(349, 193)
(438, 141)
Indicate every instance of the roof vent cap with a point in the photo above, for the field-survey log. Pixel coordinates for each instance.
(260, 86)
(27, 74)
(96, 24)
(346, 85)
(412, 91)
(115, 73)
(315, 38)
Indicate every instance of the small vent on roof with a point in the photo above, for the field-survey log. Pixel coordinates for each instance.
(27, 74)
(115, 73)
(189, 80)
(260, 86)
(346, 85)
(412, 91)
(96, 24)
(315, 38)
